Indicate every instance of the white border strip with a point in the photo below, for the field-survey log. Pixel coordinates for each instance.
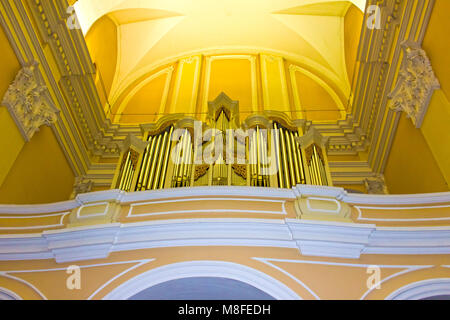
(61, 222)
(101, 214)
(361, 218)
(409, 268)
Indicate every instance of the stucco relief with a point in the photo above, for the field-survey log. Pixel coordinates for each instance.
(29, 103)
(416, 84)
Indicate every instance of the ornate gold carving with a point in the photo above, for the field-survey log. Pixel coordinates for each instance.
(81, 185)
(240, 170)
(134, 156)
(224, 103)
(376, 185)
(29, 103)
(200, 171)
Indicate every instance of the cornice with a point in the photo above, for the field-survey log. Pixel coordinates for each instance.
(339, 236)
(311, 238)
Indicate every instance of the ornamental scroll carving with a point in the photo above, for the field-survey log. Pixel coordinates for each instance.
(81, 185)
(29, 102)
(376, 185)
(240, 170)
(416, 84)
(200, 171)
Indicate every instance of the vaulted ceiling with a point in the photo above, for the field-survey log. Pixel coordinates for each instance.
(139, 36)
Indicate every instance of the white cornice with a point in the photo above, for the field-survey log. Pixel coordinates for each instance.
(122, 197)
(324, 239)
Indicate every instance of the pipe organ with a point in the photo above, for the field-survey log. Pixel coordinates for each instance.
(289, 156)
(155, 161)
(261, 152)
(182, 167)
(127, 171)
(316, 165)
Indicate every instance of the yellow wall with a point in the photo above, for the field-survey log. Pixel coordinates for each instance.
(420, 158)
(315, 101)
(411, 167)
(326, 277)
(32, 172)
(233, 77)
(40, 174)
(103, 53)
(145, 105)
(10, 140)
(10, 137)
(258, 81)
(436, 130)
(352, 30)
(436, 42)
(436, 126)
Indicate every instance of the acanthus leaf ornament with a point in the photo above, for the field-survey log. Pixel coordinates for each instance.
(29, 103)
(376, 184)
(416, 84)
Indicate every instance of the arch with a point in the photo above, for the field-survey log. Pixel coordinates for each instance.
(205, 288)
(422, 289)
(192, 269)
(340, 88)
(6, 294)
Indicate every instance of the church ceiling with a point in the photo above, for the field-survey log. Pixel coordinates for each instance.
(154, 32)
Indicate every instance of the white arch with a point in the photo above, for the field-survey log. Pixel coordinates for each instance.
(6, 294)
(422, 289)
(191, 269)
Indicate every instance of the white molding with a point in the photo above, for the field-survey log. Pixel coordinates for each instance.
(221, 269)
(315, 238)
(319, 191)
(141, 263)
(133, 205)
(266, 261)
(408, 269)
(81, 243)
(431, 240)
(204, 229)
(234, 191)
(8, 274)
(336, 211)
(28, 284)
(312, 238)
(268, 193)
(6, 294)
(100, 214)
(413, 199)
(361, 218)
(37, 227)
(422, 289)
(326, 239)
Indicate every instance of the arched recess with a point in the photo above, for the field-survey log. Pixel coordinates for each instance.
(202, 288)
(102, 42)
(422, 290)
(6, 294)
(195, 269)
